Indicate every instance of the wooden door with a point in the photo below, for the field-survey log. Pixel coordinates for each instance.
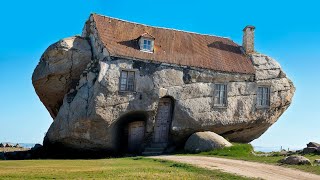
(163, 120)
(135, 135)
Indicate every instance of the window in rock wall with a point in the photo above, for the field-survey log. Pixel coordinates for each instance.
(220, 95)
(263, 97)
(127, 80)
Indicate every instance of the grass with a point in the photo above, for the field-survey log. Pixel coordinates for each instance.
(120, 168)
(244, 152)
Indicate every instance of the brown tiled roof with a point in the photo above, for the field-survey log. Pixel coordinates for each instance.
(172, 46)
(147, 35)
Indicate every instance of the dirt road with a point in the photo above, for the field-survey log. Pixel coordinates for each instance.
(243, 168)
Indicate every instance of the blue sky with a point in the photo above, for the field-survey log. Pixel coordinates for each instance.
(287, 31)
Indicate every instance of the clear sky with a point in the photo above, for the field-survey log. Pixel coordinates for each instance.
(289, 31)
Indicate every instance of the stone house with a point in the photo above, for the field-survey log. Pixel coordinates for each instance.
(123, 86)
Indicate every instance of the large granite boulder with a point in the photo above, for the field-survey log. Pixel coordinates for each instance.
(78, 82)
(205, 141)
(296, 160)
(92, 114)
(59, 71)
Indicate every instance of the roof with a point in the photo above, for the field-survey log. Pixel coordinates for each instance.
(172, 46)
(147, 35)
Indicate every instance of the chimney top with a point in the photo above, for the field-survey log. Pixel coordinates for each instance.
(249, 27)
(248, 39)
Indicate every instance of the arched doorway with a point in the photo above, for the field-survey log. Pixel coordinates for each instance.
(131, 131)
(163, 121)
(136, 130)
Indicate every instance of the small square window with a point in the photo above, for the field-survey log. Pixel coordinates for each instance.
(220, 95)
(263, 97)
(127, 80)
(146, 45)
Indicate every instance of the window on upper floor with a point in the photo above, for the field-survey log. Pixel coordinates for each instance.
(127, 80)
(263, 97)
(146, 43)
(220, 95)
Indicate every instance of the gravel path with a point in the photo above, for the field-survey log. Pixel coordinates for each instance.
(243, 168)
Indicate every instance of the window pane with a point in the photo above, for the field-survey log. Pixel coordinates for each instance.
(123, 81)
(216, 94)
(220, 96)
(127, 80)
(123, 87)
(263, 96)
(131, 80)
(124, 74)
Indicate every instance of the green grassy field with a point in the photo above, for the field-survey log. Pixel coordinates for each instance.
(119, 168)
(244, 152)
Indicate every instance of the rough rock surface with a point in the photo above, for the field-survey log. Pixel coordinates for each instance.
(296, 160)
(59, 70)
(93, 113)
(90, 115)
(316, 162)
(313, 144)
(309, 150)
(205, 141)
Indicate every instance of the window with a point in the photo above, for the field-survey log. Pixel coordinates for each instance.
(263, 96)
(220, 95)
(127, 80)
(146, 44)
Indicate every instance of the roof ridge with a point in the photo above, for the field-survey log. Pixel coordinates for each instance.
(163, 27)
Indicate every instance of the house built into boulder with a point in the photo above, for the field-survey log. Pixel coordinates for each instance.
(128, 87)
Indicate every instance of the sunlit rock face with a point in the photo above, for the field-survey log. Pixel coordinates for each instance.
(59, 70)
(78, 82)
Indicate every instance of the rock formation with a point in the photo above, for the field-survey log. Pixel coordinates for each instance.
(78, 82)
(295, 160)
(59, 71)
(205, 141)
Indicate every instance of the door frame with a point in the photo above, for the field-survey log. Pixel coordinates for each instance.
(170, 119)
(130, 125)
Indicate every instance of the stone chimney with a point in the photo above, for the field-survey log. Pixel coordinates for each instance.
(248, 39)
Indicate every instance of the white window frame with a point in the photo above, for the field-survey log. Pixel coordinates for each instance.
(263, 96)
(146, 45)
(130, 84)
(220, 96)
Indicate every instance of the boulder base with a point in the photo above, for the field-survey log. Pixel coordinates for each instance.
(205, 141)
